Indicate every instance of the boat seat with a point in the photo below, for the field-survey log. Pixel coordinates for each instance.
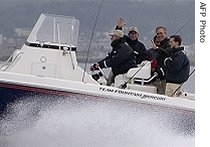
(143, 71)
(138, 75)
(141, 74)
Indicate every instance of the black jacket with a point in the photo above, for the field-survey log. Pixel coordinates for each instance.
(177, 66)
(121, 58)
(139, 48)
(164, 51)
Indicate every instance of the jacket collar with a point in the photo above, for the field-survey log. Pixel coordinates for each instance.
(132, 41)
(177, 49)
(164, 42)
(117, 42)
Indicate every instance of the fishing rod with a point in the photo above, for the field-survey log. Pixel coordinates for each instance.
(183, 26)
(182, 83)
(123, 86)
(103, 74)
(91, 39)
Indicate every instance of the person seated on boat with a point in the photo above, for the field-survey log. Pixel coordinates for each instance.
(120, 59)
(163, 51)
(132, 39)
(177, 67)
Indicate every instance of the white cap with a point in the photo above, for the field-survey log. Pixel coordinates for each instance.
(119, 33)
(134, 29)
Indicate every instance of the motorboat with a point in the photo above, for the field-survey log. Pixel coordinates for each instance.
(47, 64)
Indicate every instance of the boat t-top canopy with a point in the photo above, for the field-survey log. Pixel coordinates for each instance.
(55, 30)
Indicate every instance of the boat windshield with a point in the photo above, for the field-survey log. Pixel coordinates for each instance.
(55, 30)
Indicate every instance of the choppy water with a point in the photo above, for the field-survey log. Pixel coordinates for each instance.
(49, 121)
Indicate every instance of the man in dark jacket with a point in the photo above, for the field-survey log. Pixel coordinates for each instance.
(121, 58)
(132, 40)
(163, 50)
(177, 67)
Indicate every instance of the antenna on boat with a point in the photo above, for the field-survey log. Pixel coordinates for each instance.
(91, 39)
(182, 83)
(59, 40)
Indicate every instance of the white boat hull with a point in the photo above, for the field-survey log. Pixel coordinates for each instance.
(44, 84)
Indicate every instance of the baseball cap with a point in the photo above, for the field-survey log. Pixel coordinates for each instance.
(134, 29)
(119, 33)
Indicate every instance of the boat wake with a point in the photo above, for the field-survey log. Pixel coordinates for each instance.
(45, 120)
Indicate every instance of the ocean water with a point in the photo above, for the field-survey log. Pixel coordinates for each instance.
(83, 121)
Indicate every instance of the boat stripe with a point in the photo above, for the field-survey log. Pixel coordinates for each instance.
(65, 93)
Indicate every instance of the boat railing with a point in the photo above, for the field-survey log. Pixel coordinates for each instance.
(50, 45)
(11, 60)
(142, 81)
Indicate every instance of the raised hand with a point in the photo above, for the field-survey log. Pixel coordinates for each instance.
(120, 22)
(154, 46)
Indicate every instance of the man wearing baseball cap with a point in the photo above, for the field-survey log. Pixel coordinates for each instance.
(133, 41)
(118, 33)
(120, 59)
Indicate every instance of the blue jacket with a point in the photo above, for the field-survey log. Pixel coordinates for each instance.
(177, 66)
